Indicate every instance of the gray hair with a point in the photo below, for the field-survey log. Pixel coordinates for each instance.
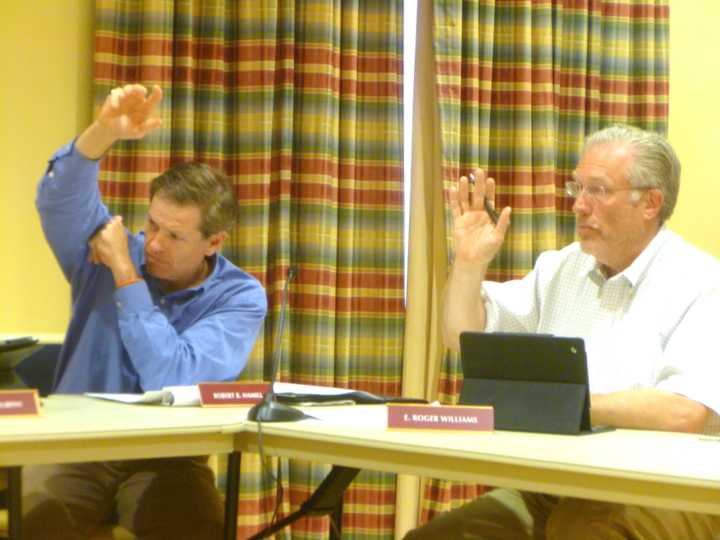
(654, 164)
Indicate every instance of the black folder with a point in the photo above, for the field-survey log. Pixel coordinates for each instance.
(535, 382)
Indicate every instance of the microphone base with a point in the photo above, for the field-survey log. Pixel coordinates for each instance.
(272, 411)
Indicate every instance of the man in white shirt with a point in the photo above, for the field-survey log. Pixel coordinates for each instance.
(644, 301)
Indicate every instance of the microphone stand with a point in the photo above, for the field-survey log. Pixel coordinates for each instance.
(328, 497)
(269, 409)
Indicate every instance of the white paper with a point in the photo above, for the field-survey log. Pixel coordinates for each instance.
(188, 396)
(183, 396)
(148, 397)
(284, 387)
(178, 396)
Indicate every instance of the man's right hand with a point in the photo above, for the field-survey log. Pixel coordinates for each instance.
(477, 239)
(127, 113)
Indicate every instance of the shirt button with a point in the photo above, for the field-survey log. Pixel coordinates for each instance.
(51, 174)
(118, 304)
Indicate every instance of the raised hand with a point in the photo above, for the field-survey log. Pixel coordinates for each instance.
(127, 113)
(476, 236)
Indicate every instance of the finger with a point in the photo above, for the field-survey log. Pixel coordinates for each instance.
(133, 96)
(115, 95)
(104, 230)
(152, 100)
(503, 222)
(135, 89)
(143, 119)
(151, 125)
(454, 203)
(156, 95)
(92, 256)
(478, 195)
(140, 126)
(464, 194)
(490, 190)
(137, 92)
(116, 222)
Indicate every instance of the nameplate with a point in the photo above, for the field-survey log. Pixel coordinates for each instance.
(226, 394)
(19, 403)
(443, 417)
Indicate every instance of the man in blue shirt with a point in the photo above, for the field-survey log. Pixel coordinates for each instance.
(155, 309)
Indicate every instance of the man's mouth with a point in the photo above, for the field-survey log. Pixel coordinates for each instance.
(585, 227)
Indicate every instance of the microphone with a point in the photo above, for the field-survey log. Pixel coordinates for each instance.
(269, 410)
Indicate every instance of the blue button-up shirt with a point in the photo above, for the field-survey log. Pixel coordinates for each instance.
(137, 338)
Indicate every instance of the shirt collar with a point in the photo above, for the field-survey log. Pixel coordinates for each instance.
(637, 270)
(639, 267)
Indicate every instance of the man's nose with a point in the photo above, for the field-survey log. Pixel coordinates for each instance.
(154, 243)
(581, 206)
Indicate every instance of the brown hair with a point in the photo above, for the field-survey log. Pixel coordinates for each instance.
(200, 185)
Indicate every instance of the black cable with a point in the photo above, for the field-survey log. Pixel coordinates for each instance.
(266, 469)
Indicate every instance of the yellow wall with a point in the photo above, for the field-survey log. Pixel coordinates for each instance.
(45, 98)
(695, 119)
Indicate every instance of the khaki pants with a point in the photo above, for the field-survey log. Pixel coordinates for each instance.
(156, 499)
(505, 514)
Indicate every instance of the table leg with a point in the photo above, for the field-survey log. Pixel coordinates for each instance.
(14, 503)
(232, 490)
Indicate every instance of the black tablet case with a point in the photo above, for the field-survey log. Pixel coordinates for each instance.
(535, 382)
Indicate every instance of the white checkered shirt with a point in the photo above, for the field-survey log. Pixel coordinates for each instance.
(654, 325)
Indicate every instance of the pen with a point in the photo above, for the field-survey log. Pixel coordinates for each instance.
(489, 208)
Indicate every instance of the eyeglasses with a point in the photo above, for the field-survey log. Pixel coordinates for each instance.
(596, 192)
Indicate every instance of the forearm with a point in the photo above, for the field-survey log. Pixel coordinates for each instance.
(95, 141)
(648, 409)
(463, 306)
(213, 348)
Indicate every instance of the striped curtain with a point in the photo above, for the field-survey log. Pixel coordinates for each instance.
(299, 102)
(520, 83)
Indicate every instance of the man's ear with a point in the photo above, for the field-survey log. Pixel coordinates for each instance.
(653, 203)
(215, 242)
